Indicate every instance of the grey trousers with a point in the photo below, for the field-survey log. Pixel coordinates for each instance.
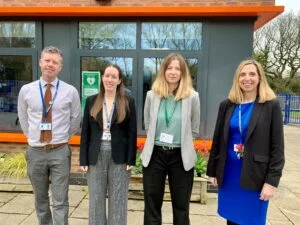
(107, 177)
(43, 167)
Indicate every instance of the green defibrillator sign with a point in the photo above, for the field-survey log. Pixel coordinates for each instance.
(90, 85)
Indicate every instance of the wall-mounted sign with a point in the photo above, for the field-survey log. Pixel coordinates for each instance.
(90, 85)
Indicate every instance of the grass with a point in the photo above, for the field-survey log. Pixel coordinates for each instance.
(13, 166)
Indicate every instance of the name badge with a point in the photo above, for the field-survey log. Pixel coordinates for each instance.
(106, 136)
(166, 138)
(45, 126)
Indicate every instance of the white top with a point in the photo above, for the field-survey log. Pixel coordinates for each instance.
(66, 111)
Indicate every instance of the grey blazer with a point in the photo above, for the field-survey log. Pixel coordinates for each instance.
(190, 125)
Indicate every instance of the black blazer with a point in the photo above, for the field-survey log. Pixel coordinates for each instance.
(264, 146)
(123, 135)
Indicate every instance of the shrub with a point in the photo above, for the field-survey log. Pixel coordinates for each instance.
(14, 166)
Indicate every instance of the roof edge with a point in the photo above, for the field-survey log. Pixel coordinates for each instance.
(263, 13)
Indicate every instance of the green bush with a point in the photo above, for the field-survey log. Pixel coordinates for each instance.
(14, 166)
(200, 165)
(138, 168)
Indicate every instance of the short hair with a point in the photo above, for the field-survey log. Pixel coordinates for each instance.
(52, 50)
(160, 85)
(264, 92)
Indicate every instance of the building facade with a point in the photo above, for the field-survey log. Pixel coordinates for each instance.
(213, 36)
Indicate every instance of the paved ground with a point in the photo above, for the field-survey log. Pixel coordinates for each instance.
(17, 208)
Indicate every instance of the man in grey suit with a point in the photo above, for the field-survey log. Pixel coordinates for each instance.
(49, 114)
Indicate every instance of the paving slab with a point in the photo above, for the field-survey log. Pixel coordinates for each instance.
(206, 220)
(293, 215)
(30, 220)
(76, 221)
(7, 196)
(281, 223)
(275, 214)
(81, 210)
(21, 204)
(75, 197)
(11, 219)
(135, 217)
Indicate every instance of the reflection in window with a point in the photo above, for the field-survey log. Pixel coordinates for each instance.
(99, 35)
(173, 36)
(17, 34)
(15, 71)
(99, 64)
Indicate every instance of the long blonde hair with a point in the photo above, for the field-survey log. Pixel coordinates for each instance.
(121, 98)
(160, 85)
(264, 92)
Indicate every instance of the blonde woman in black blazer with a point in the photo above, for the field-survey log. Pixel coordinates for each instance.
(108, 148)
(247, 155)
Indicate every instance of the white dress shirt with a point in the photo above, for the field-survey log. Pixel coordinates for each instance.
(66, 111)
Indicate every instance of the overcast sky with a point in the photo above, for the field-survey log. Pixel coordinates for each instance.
(289, 5)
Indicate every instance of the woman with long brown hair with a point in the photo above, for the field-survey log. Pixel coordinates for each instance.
(108, 148)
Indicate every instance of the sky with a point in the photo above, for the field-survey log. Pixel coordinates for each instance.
(289, 4)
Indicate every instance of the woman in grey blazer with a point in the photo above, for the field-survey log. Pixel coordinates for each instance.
(172, 118)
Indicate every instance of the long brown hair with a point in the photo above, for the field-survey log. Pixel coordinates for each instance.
(120, 99)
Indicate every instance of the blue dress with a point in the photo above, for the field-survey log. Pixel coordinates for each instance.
(234, 203)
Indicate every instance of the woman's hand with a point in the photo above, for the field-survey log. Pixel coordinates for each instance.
(267, 192)
(129, 167)
(213, 181)
(84, 168)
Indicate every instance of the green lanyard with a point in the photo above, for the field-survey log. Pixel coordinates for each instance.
(169, 117)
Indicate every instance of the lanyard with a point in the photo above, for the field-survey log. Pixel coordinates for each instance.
(240, 122)
(45, 110)
(169, 117)
(108, 117)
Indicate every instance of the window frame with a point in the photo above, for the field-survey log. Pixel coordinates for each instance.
(33, 52)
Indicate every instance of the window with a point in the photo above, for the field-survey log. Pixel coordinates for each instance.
(171, 36)
(17, 43)
(138, 48)
(15, 71)
(107, 35)
(17, 34)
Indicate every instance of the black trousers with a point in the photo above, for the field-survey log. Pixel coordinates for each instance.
(163, 163)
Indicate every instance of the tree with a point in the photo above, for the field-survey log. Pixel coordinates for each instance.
(277, 48)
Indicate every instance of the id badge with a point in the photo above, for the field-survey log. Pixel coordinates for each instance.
(106, 136)
(45, 126)
(166, 138)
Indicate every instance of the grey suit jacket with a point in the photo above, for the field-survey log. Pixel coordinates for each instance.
(190, 125)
